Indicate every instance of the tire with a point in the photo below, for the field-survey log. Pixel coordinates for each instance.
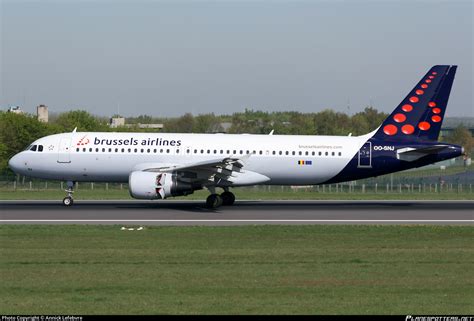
(213, 201)
(68, 201)
(228, 198)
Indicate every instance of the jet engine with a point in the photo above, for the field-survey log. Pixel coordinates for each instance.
(157, 185)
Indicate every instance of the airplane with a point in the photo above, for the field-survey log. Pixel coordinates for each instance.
(162, 165)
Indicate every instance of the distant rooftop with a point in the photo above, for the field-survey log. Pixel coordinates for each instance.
(453, 122)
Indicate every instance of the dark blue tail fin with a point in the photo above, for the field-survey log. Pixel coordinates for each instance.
(420, 115)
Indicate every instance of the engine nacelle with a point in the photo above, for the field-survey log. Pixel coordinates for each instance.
(157, 185)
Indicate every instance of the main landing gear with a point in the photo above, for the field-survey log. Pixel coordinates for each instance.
(68, 200)
(215, 200)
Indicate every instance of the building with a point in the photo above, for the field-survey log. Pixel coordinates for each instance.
(120, 121)
(450, 124)
(116, 122)
(151, 126)
(42, 113)
(15, 110)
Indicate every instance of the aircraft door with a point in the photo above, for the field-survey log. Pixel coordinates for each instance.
(365, 155)
(64, 150)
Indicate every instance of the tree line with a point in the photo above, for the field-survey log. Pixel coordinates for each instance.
(17, 131)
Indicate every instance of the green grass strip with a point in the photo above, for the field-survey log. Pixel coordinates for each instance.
(319, 269)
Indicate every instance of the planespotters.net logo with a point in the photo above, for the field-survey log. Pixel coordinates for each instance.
(439, 318)
(83, 141)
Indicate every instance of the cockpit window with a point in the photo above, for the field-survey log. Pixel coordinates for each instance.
(40, 148)
(33, 148)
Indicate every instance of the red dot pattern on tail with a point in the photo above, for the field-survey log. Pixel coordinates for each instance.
(424, 125)
(407, 108)
(390, 129)
(408, 129)
(399, 118)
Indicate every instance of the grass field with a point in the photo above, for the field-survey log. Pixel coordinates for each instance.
(246, 194)
(237, 270)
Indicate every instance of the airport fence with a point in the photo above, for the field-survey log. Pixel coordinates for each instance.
(455, 179)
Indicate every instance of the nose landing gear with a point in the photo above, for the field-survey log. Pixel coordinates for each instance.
(68, 200)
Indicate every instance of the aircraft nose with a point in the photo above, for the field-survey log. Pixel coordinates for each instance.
(15, 163)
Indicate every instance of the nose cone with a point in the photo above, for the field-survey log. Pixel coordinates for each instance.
(15, 163)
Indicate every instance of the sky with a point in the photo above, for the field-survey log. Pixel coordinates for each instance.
(167, 58)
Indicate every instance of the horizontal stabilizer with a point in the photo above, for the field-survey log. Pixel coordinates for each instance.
(410, 154)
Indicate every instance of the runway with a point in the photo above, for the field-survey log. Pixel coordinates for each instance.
(242, 213)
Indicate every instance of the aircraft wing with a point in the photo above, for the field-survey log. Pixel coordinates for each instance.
(228, 171)
(207, 164)
(411, 154)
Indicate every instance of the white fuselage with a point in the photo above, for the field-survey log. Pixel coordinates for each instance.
(111, 157)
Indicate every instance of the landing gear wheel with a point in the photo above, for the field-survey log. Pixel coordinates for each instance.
(228, 198)
(68, 201)
(213, 201)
